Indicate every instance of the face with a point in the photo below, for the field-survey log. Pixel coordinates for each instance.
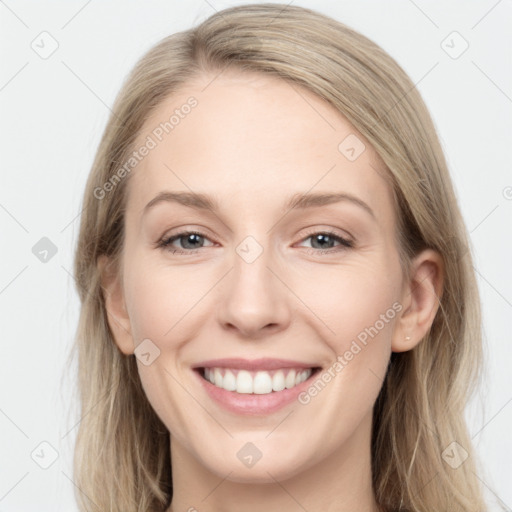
(263, 293)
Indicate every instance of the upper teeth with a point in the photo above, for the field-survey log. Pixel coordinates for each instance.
(260, 382)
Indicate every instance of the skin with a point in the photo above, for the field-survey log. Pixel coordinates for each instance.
(251, 142)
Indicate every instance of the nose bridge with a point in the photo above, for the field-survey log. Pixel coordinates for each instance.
(254, 298)
(251, 275)
(251, 267)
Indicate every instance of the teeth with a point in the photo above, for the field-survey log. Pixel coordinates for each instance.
(262, 383)
(243, 382)
(217, 378)
(259, 383)
(278, 381)
(229, 381)
(289, 382)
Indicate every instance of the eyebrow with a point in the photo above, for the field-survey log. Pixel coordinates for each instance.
(301, 201)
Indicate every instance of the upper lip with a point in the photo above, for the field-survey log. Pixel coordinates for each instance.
(253, 364)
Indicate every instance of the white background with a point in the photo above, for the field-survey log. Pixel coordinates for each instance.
(53, 112)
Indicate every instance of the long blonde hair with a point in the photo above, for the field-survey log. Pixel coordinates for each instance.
(121, 459)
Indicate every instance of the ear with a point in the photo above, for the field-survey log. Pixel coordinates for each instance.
(118, 319)
(420, 299)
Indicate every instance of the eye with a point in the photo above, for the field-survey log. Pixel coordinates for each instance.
(192, 240)
(324, 240)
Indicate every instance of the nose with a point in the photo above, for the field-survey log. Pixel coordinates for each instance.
(254, 300)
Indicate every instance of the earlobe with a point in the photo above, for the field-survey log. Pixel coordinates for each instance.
(118, 319)
(421, 301)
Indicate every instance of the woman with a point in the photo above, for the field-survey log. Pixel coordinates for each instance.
(279, 310)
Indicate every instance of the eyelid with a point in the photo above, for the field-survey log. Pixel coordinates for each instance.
(165, 241)
(188, 228)
(344, 242)
(329, 230)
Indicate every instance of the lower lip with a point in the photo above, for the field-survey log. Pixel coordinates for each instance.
(253, 404)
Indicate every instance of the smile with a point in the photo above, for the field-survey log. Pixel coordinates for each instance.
(254, 386)
(256, 382)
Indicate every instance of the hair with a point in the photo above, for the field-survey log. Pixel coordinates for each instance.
(121, 458)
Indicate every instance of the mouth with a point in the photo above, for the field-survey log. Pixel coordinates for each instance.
(254, 386)
(256, 382)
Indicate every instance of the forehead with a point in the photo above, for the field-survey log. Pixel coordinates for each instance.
(251, 139)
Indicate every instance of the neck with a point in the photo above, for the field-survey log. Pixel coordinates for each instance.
(340, 483)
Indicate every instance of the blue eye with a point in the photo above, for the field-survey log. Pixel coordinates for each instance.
(328, 237)
(190, 242)
(191, 238)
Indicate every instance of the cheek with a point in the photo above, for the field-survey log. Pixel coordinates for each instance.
(158, 298)
(159, 303)
(359, 307)
(354, 302)
(342, 302)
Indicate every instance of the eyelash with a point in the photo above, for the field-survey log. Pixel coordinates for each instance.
(345, 244)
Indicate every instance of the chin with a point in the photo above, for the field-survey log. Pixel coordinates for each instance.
(260, 473)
